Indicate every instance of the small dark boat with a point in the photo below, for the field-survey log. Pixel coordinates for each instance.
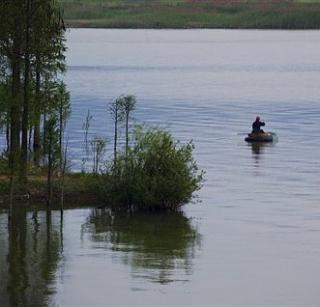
(261, 137)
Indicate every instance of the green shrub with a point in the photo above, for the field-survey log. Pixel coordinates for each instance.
(158, 173)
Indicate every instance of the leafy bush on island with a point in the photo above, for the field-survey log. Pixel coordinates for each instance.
(149, 171)
(158, 173)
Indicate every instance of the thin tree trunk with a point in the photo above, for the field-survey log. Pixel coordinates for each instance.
(49, 178)
(15, 115)
(44, 129)
(11, 195)
(25, 114)
(64, 166)
(94, 157)
(49, 148)
(60, 135)
(15, 105)
(127, 133)
(8, 133)
(115, 137)
(29, 143)
(36, 133)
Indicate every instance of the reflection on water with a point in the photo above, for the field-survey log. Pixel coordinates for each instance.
(29, 256)
(154, 245)
(260, 245)
(258, 149)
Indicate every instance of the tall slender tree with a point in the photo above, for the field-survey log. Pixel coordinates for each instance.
(32, 47)
(128, 104)
(63, 104)
(115, 111)
(26, 88)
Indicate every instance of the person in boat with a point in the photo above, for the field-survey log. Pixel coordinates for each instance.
(256, 126)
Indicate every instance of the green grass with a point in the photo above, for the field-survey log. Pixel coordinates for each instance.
(281, 14)
(79, 190)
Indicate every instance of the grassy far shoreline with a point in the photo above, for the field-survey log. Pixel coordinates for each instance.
(191, 14)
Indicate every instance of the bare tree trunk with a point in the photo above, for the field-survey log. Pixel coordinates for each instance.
(29, 144)
(64, 166)
(94, 149)
(25, 114)
(11, 195)
(49, 148)
(15, 116)
(61, 128)
(36, 133)
(44, 130)
(8, 133)
(14, 154)
(127, 134)
(49, 178)
(115, 137)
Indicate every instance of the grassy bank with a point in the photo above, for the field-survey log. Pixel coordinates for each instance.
(245, 14)
(78, 191)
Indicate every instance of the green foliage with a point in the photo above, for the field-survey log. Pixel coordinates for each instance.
(4, 169)
(62, 99)
(51, 142)
(55, 98)
(127, 104)
(157, 174)
(32, 47)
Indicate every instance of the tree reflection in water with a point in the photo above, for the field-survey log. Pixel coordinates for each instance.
(29, 256)
(158, 247)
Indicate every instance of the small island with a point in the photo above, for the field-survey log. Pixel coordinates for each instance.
(149, 170)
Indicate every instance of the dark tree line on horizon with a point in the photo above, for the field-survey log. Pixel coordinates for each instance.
(34, 102)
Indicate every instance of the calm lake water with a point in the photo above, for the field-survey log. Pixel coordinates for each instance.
(254, 236)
